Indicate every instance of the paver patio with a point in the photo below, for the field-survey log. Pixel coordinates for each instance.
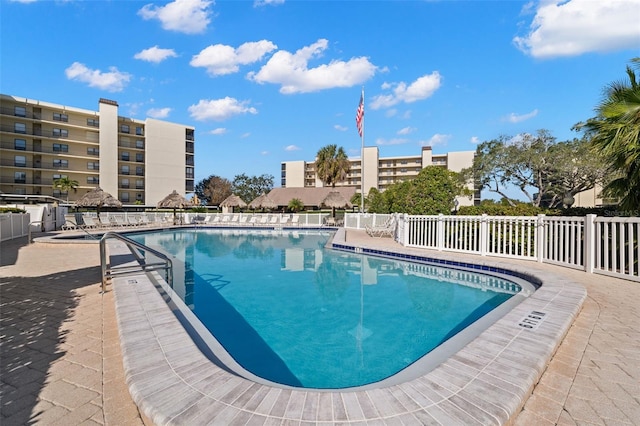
(60, 359)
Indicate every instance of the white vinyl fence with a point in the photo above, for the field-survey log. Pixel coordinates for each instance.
(602, 245)
(14, 225)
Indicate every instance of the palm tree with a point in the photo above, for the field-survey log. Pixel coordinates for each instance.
(64, 184)
(616, 134)
(332, 165)
(296, 205)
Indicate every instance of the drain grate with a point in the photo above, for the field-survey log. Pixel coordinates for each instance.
(532, 321)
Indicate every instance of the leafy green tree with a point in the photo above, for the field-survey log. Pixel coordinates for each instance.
(545, 171)
(250, 187)
(433, 191)
(574, 168)
(213, 190)
(296, 205)
(64, 184)
(616, 134)
(376, 202)
(332, 165)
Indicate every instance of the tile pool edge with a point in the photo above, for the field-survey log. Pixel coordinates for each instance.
(486, 382)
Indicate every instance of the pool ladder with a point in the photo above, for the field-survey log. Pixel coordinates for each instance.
(138, 250)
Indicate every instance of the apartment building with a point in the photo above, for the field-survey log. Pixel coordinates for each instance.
(380, 172)
(135, 160)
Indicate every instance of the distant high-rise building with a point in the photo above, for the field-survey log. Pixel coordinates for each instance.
(380, 172)
(133, 160)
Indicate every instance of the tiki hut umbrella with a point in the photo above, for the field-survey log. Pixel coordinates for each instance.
(263, 202)
(173, 201)
(98, 198)
(233, 201)
(335, 200)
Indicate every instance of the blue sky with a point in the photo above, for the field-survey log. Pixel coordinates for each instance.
(270, 81)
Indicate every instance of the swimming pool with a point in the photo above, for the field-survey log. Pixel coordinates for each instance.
(294, 313)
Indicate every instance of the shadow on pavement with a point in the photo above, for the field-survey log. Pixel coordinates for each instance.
(33, 312)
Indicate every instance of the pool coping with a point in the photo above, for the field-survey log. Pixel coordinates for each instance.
(486, 382)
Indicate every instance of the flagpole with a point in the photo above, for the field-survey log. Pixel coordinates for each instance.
(362, 158)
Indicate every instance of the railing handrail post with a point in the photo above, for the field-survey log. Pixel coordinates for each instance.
(440, 232)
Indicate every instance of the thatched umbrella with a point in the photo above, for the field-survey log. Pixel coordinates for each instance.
(335, 200)
(263, 202)
(233, 201)
(173, 201)
(98, 198)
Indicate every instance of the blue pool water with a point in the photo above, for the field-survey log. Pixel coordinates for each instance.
(292, 312)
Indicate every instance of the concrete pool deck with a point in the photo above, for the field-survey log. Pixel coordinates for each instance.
(61, 352)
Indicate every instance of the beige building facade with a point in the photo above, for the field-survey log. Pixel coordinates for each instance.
(380, 172)
(137, 161)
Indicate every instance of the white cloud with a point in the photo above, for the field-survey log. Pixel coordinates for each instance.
(420, 89)
(220, 109)
(220, 59)
(474, 140)
(395, 141)
(264, 153)
(259, 3)
(245, 135)
(23, 1)
(517, 118)
(340, 128)
(291, 71)
(159, 112)
(437, 139)
(292, 148)
(185, 16)
(574, 27)
(112, 81)
(155, 54)
(218, 131)
(406, 130)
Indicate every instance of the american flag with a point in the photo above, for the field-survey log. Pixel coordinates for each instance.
(360, 114)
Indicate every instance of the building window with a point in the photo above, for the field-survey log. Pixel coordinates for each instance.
(189, 147)
(20, 111)
(93, 151)
(124, 170)
(93, 122)
(60, 147)
(58, 176)
(139, 184)
(93, 165)
(124, 156)
(60, 164)
(20, 177)
(124, 183)
(124, 128)
(60, 133)
(20, 128)
(94, 180)
(189, 160)
(20, 144)
(140, 157)
(139, 131)
(139, 171)
(189, 172)
(189, 134)
(188, 186)
(140, 144)
(20, 161)
(124, 197)
(138, 196)
(58, 116)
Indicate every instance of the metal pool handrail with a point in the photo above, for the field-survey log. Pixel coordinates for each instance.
(142, 266)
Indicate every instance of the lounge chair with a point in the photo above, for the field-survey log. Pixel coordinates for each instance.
(284, 219)
(388, 229)
(254, 220)
(89, 223)
(295, 220)
(69, 222)
(243, 220)
(274, 220)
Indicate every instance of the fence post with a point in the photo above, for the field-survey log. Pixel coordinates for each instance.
(440, 232)
(484, 235)
(589, 243)
(405, 230)
(540, 238)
